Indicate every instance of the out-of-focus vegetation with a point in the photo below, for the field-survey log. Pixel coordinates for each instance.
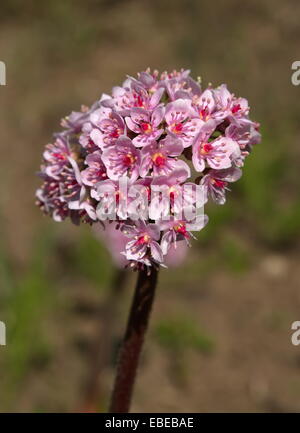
(180, 334)
(240, 281)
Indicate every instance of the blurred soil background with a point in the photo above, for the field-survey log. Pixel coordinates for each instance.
(219, 338)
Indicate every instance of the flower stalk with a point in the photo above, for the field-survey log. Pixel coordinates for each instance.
(133, 341)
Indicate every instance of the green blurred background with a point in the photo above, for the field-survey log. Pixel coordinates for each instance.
(220, 333)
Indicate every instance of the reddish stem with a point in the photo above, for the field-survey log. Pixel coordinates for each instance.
(133, 341)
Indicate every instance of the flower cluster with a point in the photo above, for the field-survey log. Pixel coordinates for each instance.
(155, 130)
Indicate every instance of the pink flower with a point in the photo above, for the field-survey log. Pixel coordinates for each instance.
(74, 121)
(112, 201)
(215, 183)
(245, 134)
(143, 247)
(148, 80)
(176, 230)
(85, 139)
(182, 86)
(108, 127)
(96, 170)
(182, 121)
(217, 154)
(168, 194)
(56, 156)
(160, 157)
(66, 196)
(146, 125)
(50, 201)
(122, 159)
(236, 109)
(133, 95)
(74, 192)
(103, 128)
(139, 194)
(207, 108)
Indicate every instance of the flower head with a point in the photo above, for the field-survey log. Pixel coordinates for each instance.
(131, 160)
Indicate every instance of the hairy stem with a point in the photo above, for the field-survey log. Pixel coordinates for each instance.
(133, 341)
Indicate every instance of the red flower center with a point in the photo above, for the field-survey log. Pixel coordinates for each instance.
(146, 127)
(100, 173)
(139, 102)
(159, 159)
(128, 159)
(145, 239)
(173, 193)
(115, 133)
(219, 183)
(181, 228)
(177, 128)
(205, 148)
(59, 155)
(204, 114)
(148, 192)
(236, 108)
